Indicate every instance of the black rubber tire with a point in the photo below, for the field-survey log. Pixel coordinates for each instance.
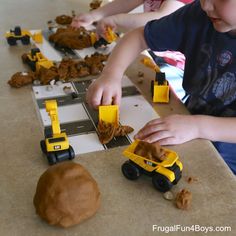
(25, 40)
(161, 183)
(11, 41)
(43, 146)
(71, 153)
(152, 87)
(52, 159)
(48, 132)
(130, 170)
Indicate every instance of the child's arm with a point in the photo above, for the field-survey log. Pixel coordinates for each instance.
(132, 21)
(112, 8)
(177, 129)
(107, 88)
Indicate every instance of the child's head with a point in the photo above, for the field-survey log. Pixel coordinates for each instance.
(221, 13)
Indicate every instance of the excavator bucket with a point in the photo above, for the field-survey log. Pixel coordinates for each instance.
(149, 63)
(109, 114)
(38, 37)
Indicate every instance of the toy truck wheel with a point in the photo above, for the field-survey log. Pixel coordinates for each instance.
(52, 159)
(25, 40)
(11, 41)
(71, 153)
(130, 170)
(161, 183)
(152, 87)
(32, 65)
(43, 146)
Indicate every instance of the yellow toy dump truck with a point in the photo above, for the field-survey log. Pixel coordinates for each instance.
(56, 144)
(110, 37)
(35, 60)
(23, 35)
(159, 87)
(164, 174)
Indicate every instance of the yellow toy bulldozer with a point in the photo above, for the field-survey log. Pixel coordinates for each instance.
(35, 60)
(164, 174)
(55, 145)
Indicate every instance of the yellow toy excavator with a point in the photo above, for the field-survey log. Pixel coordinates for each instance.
(56, 145)
(160, 86)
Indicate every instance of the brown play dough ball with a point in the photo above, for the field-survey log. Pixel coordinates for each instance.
(66, 194)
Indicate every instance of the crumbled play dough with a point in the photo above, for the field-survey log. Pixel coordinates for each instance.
(151, 151)
(66, 194)
(183, 199)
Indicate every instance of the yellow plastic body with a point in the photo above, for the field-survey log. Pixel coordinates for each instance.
(58, 141)
(37, 37)
(41, 61)
(149, 63)
(161, 93)
(12, 34)
(93, 37)
(109, 114)
(150, 166)
(110, 36)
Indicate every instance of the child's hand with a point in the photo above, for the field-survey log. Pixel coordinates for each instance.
(83, 19)
(171, 130)
(103, 24)
(104, 91)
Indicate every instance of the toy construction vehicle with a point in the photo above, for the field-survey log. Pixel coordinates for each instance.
(160, 90)
(35, 60)
(109, 114)
(56, 145)
(164, 174)
(24, 35)
(110, 37)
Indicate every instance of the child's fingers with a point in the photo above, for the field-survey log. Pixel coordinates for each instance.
(158, 136)
(148, 129)
(155, 121)
(106, 98)
(116, 99)
(94, 98)
(167, 141)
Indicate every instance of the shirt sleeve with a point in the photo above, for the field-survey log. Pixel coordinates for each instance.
(171, 32)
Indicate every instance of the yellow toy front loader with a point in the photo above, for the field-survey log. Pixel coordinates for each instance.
(35, 60)
(159, 87)
(23, 35)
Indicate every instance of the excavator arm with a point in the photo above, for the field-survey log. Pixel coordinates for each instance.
(51, 108)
